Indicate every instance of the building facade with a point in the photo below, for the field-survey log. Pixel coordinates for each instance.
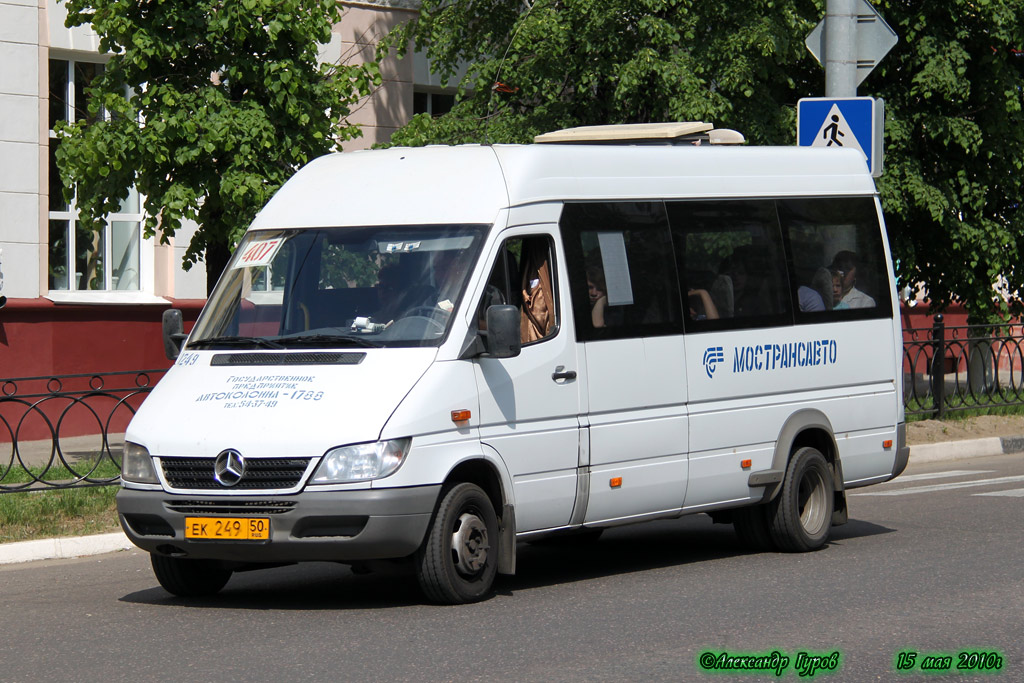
(77, 301)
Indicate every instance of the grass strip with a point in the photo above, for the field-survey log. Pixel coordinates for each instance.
(53, 512)
(58, 512)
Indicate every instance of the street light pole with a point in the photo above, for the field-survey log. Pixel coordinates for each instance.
(841, 48)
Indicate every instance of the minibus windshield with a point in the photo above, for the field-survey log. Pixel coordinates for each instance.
(340, 287)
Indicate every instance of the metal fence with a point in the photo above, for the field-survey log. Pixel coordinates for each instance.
(955, 368)
(64, 431)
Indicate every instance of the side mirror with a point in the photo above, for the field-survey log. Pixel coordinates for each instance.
(174, 335)
(503, 340)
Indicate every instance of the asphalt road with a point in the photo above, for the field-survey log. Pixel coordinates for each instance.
(933, 566)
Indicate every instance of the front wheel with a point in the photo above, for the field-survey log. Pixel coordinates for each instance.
(189, 578)
(459, 557)
(801, 515)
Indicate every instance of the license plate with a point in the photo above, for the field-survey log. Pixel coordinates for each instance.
(228, 528)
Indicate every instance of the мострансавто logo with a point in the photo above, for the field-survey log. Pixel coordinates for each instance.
(767, 357)
(712, 356)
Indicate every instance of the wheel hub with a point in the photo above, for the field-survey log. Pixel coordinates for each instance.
(469, 544)
(813, 503)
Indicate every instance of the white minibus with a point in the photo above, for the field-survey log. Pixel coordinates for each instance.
(425, 356)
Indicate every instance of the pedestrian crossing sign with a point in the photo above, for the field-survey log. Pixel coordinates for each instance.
(843, 123)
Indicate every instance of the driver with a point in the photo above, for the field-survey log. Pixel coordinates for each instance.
(449, 272)
(392, 291)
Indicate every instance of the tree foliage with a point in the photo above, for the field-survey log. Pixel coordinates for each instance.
(207, 107)
(952, 188)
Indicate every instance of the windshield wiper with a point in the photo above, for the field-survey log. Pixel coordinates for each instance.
(327, 340)
(258, 341)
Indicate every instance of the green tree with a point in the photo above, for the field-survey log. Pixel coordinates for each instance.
(559, 63)
(952, 188)
(206, 107)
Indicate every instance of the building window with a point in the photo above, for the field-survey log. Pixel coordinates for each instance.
(81, 259)
(433, 103)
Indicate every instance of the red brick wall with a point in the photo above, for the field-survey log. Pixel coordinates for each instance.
(39, 338)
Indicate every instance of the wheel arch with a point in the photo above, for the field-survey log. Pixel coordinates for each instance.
(481, 472)
(485, 473)
(806, 428)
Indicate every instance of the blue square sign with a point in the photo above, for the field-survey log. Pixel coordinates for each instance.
(851, 122)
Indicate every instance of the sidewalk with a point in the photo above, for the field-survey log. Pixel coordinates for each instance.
(73, 448)
(61, 548)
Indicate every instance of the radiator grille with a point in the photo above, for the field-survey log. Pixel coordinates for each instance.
(260, 473)
(230, 507)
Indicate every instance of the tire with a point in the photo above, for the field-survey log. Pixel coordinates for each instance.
(801, 515)
(459, 558)
(753, 527)
(189, 578)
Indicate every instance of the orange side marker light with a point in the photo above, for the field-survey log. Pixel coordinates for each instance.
(887, 443)
(461, 415)
(615, 482)
(745, 464)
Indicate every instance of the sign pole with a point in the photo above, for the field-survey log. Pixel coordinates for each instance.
(849, 42)
(841, 48)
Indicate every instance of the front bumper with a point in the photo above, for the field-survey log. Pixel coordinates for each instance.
(340, 526)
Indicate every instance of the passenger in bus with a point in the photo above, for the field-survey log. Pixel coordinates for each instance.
(388, 293)
(396, 293)
(750, 290)
(844, 283)
(821, 282)
(538, 309)
(601, 315)
(596, 292)
(702, 305)
(837, 288)
(810, 301)
(449, 269)
(818, 295)
(722, 295)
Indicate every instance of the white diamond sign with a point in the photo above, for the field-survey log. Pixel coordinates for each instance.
(874, 40)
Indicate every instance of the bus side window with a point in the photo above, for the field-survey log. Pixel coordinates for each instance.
(523, 276)
(621, 272)
(731, 255)
(497, 291)
(837, 257)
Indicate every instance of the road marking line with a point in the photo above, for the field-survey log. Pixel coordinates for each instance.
(1012, 493)
(944, 487)
(937, 475)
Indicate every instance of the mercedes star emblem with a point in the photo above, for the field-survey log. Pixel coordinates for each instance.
(229, 467)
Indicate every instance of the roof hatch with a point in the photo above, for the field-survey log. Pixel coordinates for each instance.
(678, 133)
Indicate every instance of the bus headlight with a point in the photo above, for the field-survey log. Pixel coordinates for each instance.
(361, 462)
(137, 465)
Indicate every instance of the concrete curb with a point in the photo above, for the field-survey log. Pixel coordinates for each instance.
(60, 548)
(63, 548)
(968, 448)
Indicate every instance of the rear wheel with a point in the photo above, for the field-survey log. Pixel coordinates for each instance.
(459, 558)
(801, 515)
(189, 578)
